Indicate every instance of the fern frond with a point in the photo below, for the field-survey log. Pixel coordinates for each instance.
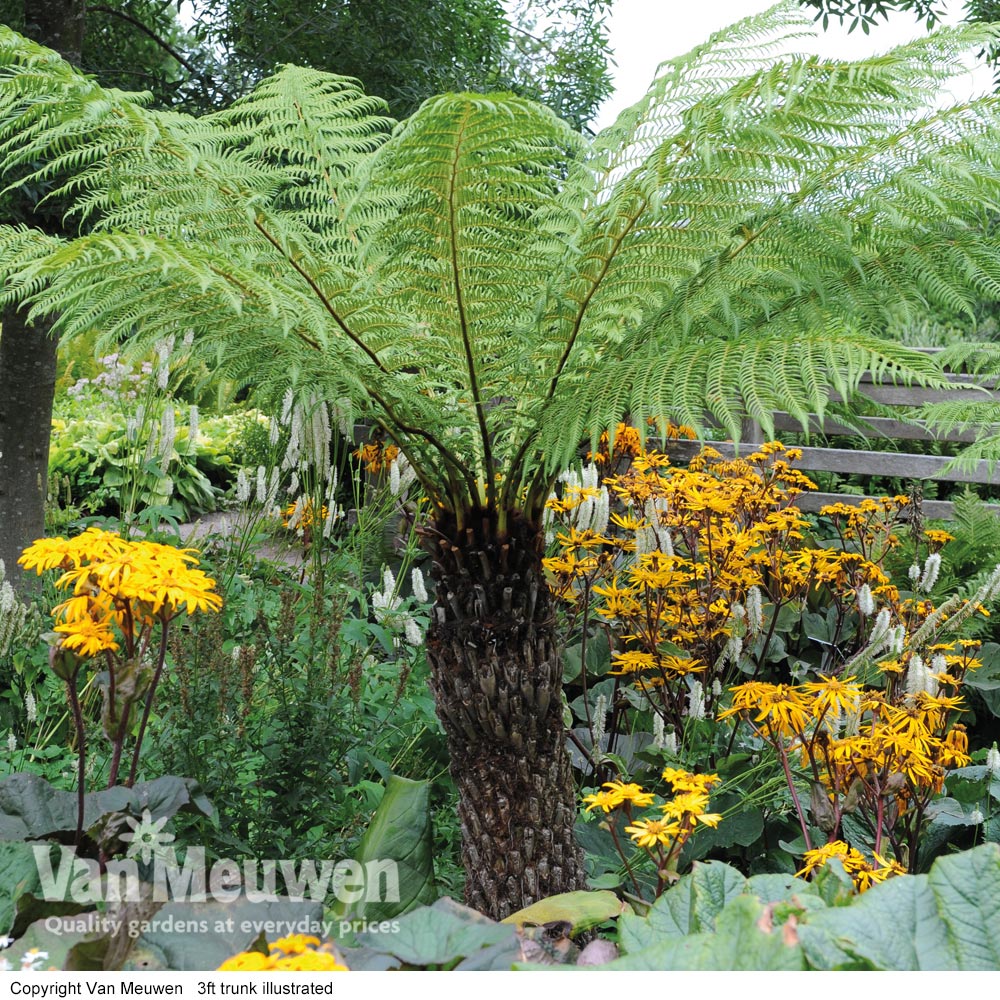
(495, 288)
(728, 381)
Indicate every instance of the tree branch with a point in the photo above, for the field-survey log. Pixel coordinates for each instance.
(163, 44)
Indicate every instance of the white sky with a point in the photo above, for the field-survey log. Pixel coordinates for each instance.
(646, 32)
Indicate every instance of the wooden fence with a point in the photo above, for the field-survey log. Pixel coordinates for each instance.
(848, 461)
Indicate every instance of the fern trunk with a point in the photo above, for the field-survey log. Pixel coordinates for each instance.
(496, 675)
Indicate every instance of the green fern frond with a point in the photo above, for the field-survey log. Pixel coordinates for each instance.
(494, 288)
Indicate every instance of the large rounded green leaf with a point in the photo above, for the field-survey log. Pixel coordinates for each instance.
(399, 838)
(940, 921)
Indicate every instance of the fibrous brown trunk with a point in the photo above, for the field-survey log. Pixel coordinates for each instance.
(496, 675)
(27, 386)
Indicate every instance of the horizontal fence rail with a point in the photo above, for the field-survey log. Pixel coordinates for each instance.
(902, 465)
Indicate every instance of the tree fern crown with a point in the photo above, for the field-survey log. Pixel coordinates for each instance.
(495, 288)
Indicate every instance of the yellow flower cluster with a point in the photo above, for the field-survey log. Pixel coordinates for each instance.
(295, 953)
(303, 515)
(866, 755)
(628, 442)
(376, 456)
(680, 815)
(863, 873)
(671, 572)
(119, 587)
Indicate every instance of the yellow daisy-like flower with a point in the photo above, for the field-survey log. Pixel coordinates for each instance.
(601, 800)
(115, 580)
(650, 832)
(617, 793)
(46, 553)
(685, 802)
(819, 856)
(87, 637)
(630, 792)
(937, 537)
(309, 961)
(294, 944)
(833, 695)
(632, 662)
(303, 515)
(685, 781)
(295, 953)
(709, 819)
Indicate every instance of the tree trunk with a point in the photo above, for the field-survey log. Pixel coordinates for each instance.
(496, 675)
(28, 352)
(57, 24)
(27, 388)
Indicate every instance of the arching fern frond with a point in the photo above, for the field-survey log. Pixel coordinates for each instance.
(495, 288)
(728, 380)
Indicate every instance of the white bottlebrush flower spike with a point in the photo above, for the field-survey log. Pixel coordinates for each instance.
(866, 602)
(413, 632)
(696, 701)
(932, 567)
(243, 486)
(755, 610)
(418, 586)
(659, 731)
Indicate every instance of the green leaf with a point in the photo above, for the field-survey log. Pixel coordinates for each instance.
(834, 886)
(743, 941)
(598, 657)
(439, 935)
(582, 910)
(18, 876)
(67, 942)
(740, 826)
(892, 926)
(938, 921)
(771, 888)
(399, 833)
(200, 936)
(31, 809)
(689, 907)
(967, 887)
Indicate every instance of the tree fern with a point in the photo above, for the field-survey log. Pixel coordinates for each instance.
(494, 289)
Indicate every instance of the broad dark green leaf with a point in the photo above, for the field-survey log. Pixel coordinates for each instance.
(938, 921)
(438, 936)
(744, 940)
(31, 809)
(190, 936)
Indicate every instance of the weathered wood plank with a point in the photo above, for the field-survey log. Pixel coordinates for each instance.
(899, 395)
(865, 463)
(878, 427)
(963, 378)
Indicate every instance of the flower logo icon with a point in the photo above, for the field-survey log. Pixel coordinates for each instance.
(147, 839)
